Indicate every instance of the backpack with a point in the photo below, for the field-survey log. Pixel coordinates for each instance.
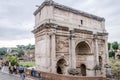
(21, 68)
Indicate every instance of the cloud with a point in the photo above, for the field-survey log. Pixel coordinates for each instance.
(13, 43)
(17, 20)
(108, 9)
(14, 34)
(114, 33)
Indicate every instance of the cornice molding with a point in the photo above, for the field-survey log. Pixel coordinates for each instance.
(66, 8)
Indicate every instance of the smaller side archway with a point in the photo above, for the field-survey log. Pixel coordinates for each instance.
(100, 61)
(83, 69)
(61, 66)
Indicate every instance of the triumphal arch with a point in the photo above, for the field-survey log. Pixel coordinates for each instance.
(66, 38)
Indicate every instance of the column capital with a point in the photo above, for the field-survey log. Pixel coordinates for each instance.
(72, 35)
(95, 36)
(51, 32)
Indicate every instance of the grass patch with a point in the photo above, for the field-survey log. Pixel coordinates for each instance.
(115, 65)
(30, 64)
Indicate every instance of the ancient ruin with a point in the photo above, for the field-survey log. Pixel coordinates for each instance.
(66, 38)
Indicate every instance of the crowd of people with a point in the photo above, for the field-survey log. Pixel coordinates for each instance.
(14, 69)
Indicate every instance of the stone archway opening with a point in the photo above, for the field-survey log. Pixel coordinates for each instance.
(61, 66)
(100, 61)
(83, 70)
(82, 48)
(82, 53)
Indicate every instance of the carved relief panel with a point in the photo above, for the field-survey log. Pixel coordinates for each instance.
(101, 46)
(62, 44)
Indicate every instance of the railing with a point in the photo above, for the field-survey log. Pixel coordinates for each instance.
(52, 76)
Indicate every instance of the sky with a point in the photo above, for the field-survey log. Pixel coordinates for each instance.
(17, 19)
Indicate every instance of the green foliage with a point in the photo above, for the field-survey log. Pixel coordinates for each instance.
(20, 47)
(3, 51)
(30, 64)
(14, 63)
(23, 47)
(111, 54)
(29, 46)
(115, 65)
(109, 45)
(13, 60)
(115, 45)
(20, 53)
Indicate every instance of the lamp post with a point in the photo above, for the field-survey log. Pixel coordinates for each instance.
(108, 73)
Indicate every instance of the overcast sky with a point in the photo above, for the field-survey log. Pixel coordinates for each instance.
(17, 20)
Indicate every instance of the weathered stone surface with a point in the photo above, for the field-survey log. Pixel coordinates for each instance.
(63, 42)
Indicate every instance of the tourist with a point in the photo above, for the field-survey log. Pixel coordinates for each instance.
(11, 68)
(7, 63)
(21, 69)
(2, 64)
(0, 67)
(15, 69)
(32, 72)
(23, 76)
(39, 76)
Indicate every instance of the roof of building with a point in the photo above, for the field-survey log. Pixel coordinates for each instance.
(57, 5)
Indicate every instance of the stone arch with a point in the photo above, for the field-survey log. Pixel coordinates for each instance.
(86, 41)
(83, 53)
(100, 61)
(62, 57)
(83, 69)
(61, 64)
(83, 48)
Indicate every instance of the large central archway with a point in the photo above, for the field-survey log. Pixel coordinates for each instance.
(82, 48)
(82, 52)
(60, 66)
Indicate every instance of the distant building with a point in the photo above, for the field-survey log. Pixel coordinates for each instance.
(67, 38)
(12, 51)
(29, 55)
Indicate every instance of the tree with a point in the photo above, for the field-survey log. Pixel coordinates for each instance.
(115, 45)
(20, 53)
(109, 45)
(12, 60)
(20, 47)
(3, 51)
(27, 47)
(30, 47)
(112, 54)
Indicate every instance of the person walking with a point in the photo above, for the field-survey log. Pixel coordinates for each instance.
(23, 76)
(15, 69)
(21, 69)
(33, 72)
(39, 76)
(11, 68)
